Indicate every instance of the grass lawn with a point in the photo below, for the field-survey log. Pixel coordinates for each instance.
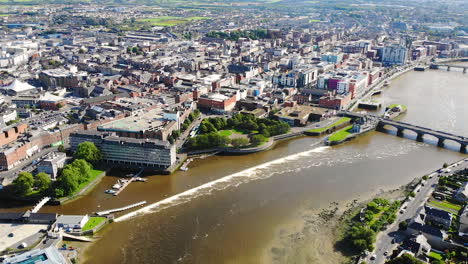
(337, 123)
(444, 205)
(32, 193)
(225, 133)
(435, 255)
(93, 222)
(236, 131)
(170, 20)
(314, 20)
(340, 135)
(395, 105)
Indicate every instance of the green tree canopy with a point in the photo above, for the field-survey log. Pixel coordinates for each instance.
(84, 169)
(68, 182)
(42, 181)
(89, 152)
(405, 259)
(24, 183)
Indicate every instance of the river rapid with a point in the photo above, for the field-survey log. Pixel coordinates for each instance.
(245, 209)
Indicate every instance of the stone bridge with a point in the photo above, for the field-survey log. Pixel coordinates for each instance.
(419, 130)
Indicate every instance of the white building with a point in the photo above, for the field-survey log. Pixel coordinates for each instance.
(394, 54)
(72, 221)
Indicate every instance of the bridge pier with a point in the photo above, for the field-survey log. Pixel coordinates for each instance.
(399, 132)
(440, 143)
(420, 137)
(463, 148)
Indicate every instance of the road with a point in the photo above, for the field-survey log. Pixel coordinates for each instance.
(25, 165)
(384, 239)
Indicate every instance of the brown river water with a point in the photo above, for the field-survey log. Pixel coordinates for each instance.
(242, 206)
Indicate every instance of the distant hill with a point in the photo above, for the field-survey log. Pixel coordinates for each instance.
(132, 2)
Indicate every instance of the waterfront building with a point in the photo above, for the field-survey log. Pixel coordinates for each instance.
(128, 152)
(52, 163)
(395, 54)
(72, 221)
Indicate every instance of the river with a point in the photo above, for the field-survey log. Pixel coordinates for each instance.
(256, 202)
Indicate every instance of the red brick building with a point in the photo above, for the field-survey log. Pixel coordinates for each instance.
(217, 102)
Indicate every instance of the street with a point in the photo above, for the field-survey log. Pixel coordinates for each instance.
(384, 238)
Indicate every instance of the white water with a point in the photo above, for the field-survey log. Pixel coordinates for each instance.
(210, 186)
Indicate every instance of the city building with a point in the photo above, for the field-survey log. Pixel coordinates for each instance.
(394, 54)
(218, 103)
(71, 221)
(51, 163)
(126, 151)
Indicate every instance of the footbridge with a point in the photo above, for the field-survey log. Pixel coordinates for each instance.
(420, 131)
(448, 67)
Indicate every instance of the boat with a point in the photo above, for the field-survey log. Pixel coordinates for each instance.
(183, 168)
(140, 179)
(377, 92)
(394, 111)
(116, 186)
(129, 175)
(110, 191)
(386, 83)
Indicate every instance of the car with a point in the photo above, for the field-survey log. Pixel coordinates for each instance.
(393, 241)
(11, 235)
(402, 211)
(373, 257)
(386, 253)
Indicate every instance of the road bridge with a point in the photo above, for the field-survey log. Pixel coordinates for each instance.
(447, 66)
(420, 131)
(423, 131)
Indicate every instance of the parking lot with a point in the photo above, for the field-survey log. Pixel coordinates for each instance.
(19, 231)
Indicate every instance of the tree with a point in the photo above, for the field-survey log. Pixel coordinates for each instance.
(24, 183)
(405, 259)
(89, 152)
(68, 182)
(239, 142)
(61, 148)
(361, 238)
(84, 169)
(257, 140)
(373, 207)
(42, 181)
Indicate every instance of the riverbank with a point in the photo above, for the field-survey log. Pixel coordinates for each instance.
(314, 234)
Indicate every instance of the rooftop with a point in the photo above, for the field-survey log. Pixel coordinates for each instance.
(151, 120)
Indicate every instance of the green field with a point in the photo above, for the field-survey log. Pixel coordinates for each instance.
(340, 135)
(235, 131)
(395, 105)
(435, 255)
(446, 206)
(93, 222)
(337, 123)
(169, 21)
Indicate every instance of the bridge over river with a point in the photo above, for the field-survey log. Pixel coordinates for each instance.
(436, 66)
(420, 131)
